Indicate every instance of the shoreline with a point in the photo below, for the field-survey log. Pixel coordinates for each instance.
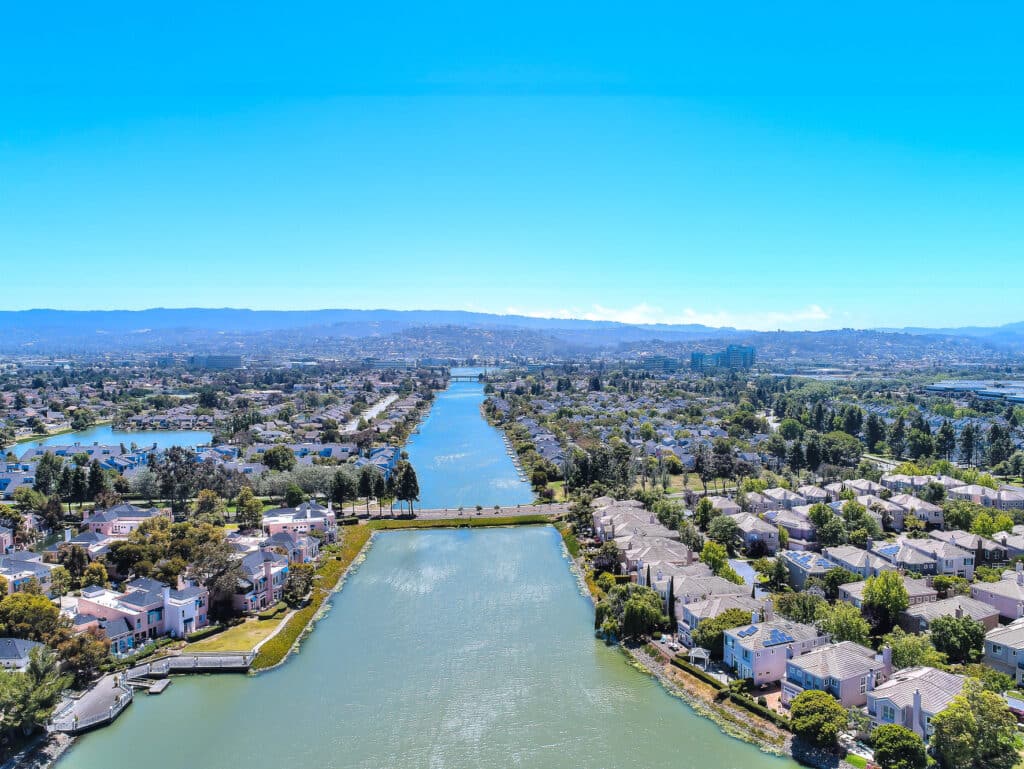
(44, 436)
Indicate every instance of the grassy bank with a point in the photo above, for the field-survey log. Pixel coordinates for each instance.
(328, 573)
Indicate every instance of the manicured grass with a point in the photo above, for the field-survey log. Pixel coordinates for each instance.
(240, 638)
(858, 761)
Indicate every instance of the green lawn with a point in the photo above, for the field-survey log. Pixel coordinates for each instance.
(239, 638)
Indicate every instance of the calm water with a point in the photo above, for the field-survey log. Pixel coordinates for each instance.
(447, 649)
(461, 460)
(105, 434)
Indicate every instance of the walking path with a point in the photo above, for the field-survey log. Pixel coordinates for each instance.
(555, 508)
(100, 705)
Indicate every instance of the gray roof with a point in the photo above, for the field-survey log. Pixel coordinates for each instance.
(16, 648)
(841, 661)
(971, 607)
(937, 688)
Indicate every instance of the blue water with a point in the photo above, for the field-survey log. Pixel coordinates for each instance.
(105, 434)
(460, 460)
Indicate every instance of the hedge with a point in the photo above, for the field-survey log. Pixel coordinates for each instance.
(142, 653)
(760, 710)
(273, 612)
(206, 632)
(696, 672)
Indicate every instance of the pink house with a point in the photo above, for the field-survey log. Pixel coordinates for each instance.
(122, 520)
(307, 517)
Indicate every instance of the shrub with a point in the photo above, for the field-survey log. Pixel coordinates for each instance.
(206, 632)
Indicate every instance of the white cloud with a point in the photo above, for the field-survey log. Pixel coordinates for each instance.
(812, 316)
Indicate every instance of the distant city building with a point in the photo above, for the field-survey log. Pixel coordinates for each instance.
(659, 363)
(216, 362)
(734, 357)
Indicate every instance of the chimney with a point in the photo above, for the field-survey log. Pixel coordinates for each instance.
(1020, 577)
(67, 534)
(959, 611)
(867, 544)
(769, 611)
(1020, 567)
(753, 617)
(887, 659)
(166, 595)
(916, 724)
(268, 575)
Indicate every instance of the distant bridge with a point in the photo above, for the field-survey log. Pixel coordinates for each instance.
(464, 378)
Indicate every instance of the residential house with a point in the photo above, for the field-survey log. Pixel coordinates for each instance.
(797, 525)
(14, 653)
(803, 565)
(262, 585)
(913, 697)
(813, 494)
(20, 567)
(725, 506)
(846, 670)
(783, 499)
(918, 618)
(1006, 596)
(986, 552)
(760, 651)
(758, 535)
(122, 520)
(306, 518)
(692, 614)
(862, 562)
(1004, 649)
(929, 514)
(918, 591)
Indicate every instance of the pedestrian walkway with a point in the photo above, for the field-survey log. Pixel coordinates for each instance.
(98, 706)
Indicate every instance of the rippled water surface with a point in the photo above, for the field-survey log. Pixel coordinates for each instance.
(447, 649)
(461, 460)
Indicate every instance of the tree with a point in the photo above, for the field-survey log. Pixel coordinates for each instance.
(298, 583)
(97, 480)
(896, 747)
(177, 473)
(709, 633)
(48, 471)
(725, 531)
(976, 731)
(214, 565)
(293, 495)
(874, 432)
(959, 513)
(33, 617)
(911, 650)
(817, 718)
(146, 484)
(714, 555)
(703, 513)
(209, 507)
(641, 616)
(799, 607)
(836, 577)
(843, 622)
(408, 486)
(95, 574)
(248, 510)
(28, 699)
(60, 580)
(279, 458)
(897, 437)
(833, 533)
(968, 443)
(959, 638)
(945, 440)
(83, 653)
(885, 596)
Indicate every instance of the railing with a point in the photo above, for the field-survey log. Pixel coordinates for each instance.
(72, 724)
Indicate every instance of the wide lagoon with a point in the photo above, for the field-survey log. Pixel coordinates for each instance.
(460, 460)
(107, 435)
(447, 649)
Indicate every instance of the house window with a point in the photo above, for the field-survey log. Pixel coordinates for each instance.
(888, 713)
(996, 649)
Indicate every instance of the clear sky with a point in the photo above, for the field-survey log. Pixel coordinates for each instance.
(766, 165)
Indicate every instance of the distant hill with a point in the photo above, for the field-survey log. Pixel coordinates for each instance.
(342, 331)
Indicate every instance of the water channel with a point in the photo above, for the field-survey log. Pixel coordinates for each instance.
(107, 435)
(446, 649)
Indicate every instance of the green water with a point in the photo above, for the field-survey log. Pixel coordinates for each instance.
(447, 649)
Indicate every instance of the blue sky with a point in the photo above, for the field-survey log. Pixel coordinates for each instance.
(759, 165)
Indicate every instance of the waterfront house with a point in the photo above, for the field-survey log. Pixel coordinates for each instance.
(862, 562)
(912, 697)
(149, 608)
(918, 591)
(264, 573)
(759, 651)
(690, 615)
(846, 670)
(307, 517)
